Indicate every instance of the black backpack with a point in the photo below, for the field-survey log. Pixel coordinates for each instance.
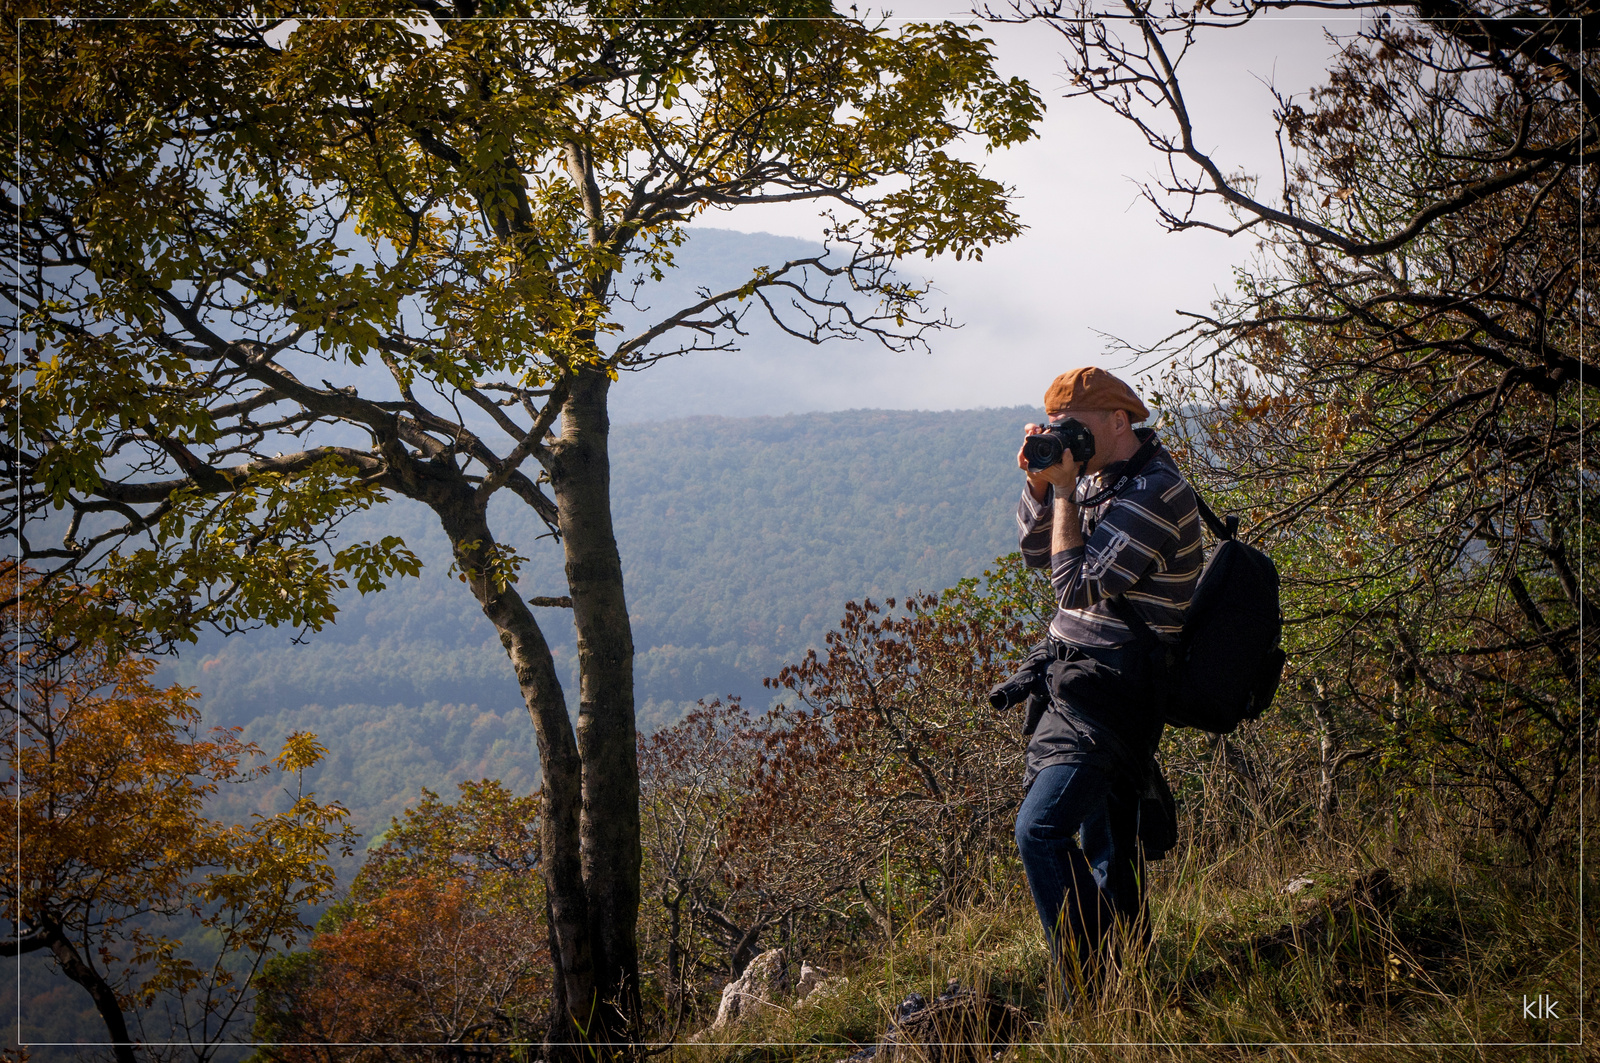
(1227, 663)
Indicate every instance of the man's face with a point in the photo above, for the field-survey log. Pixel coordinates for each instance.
(1101, 423)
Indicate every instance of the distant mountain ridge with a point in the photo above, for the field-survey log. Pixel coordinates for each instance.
(741, 540)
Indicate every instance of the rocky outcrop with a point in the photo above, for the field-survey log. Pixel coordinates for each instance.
(764, 981)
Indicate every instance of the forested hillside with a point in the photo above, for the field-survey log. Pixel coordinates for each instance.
(742, 539)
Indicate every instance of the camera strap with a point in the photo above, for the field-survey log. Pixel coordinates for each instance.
(1134, 466)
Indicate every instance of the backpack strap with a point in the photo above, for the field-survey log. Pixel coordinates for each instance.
(1221, 529)
(1158, 653)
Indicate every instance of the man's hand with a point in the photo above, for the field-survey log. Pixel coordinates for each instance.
(1063, 475)
(1040, 480)
(1066, 531)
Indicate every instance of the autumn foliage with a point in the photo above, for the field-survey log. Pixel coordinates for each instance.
(1397, 395)
(879, 792)
(440, 947)
(109, 779)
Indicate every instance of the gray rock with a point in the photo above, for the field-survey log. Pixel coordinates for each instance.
(763, 982)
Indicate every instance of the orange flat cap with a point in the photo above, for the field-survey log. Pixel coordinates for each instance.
(1092, 389)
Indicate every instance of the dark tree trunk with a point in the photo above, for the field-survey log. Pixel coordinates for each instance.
(105, 998)
(589, 816)
(580, 476)
(561, 806)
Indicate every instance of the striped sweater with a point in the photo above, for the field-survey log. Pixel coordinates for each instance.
(1143, 544)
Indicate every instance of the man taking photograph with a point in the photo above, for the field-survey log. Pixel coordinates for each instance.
(1119, 529)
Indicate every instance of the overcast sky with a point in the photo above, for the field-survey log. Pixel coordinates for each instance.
(1094, 259)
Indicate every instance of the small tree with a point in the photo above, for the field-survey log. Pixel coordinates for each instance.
(890, 760)
(887, 762)
(892, 756)
(693, 777)
(439, 945)
(109, 777)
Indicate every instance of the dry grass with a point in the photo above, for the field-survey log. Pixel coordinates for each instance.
(1434, 965)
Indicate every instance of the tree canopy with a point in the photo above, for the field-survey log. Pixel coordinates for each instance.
(224, 208)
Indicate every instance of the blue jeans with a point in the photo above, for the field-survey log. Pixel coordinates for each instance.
(1079, 889)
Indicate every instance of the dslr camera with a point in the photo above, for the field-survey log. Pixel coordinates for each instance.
(1045, 449)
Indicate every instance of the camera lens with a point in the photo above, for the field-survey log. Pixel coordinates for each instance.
(1042, 450)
